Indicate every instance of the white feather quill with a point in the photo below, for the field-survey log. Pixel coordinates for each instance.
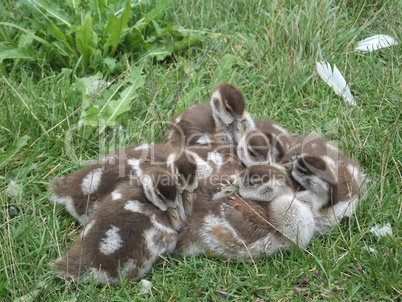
(375, 42)
(335, 79)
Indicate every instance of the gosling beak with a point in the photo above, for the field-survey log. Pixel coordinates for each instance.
(228, 191)
(288, 166)
(188, 201)
(175, 218)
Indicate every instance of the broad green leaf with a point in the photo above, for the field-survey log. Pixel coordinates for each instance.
(160, 52)
(88, 87)
(112, 104)
(111, 22)
(62, 51)
(119, 29)
(110, 62)
(90, 117)
(176, 31)
(152, 14)
(157, 10)
(25, 40)
(120, 106)
(85, 85)
(63, 38)
(17, 53)
(186, 42)
(134, 40)
(44, 42)
(86, 39)
(65, 47)
(13, 150)
(117, 107)
(135, 78)
(158, 30)
(115, 29)
(52, 10)
(180, 31)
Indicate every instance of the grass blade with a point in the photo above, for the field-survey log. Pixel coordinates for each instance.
(6, 157)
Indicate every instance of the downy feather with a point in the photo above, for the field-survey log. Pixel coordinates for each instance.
(375, 42)
(335, 79)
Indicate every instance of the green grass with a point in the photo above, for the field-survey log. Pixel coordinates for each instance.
(268, 50)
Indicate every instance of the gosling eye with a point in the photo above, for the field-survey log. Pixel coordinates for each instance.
(216, 103)
(159, 195)
(228, 190)
(300, 170)
(252, 152)
(228, 108)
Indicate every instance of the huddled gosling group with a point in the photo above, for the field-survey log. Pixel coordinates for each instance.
(219, 184)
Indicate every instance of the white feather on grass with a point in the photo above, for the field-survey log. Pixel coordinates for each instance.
(334, 78)
(13, 189)
(145, 287)
(375, 42)
(382, 231)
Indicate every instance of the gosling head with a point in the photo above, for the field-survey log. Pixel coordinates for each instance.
(183, 165)
(176, 218)
(160, 188)
(231, 190)
(263, 183)
(318, 177)
(254, 148)
(186, 166)
(227, 103)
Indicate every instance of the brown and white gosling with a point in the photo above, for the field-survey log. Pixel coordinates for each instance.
(329, 180)
(267, 217)
(221, 121)
(82, 191)
(126, 235)
(331, 190)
